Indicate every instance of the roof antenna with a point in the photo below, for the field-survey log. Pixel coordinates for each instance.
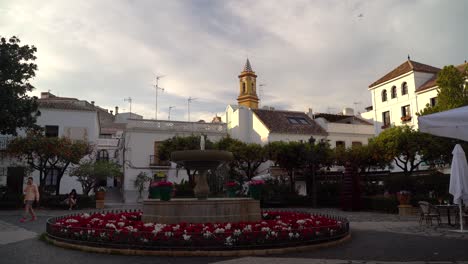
(408, 57)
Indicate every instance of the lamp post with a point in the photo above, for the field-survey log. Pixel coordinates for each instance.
(169, 116)
(156, 86)
(189, 101)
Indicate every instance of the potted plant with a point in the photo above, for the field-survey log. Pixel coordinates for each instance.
(101, 193)
(255, 188)
(404, 197)
(164, 188)
(231, 188)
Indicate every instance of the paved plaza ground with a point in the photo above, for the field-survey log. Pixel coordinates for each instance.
(376, 238)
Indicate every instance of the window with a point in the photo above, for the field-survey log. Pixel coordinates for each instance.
(384, 95)
(51, 131)
(340, 144)
(51, 177)
(298, 120)
(356, 144)
(386, 118)
(433, 101)
(394, 92)
(404, 88)
(405, 111)
(243, 88)
(103, 155)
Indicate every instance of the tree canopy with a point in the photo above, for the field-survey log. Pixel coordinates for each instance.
(47, 154)
(451, 92)
(17, 68)
(89, 172)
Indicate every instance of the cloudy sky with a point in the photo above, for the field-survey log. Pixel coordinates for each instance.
(317, 54)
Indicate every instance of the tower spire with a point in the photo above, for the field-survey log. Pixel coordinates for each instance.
(247, 67)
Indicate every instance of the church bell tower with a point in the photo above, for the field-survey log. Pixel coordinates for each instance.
(248, 87)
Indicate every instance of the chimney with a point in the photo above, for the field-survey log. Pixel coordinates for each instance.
(92, 102)
(116, 110)
(310, 113)
(111, 112)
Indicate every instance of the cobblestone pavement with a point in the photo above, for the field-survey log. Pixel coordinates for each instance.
(266, 260)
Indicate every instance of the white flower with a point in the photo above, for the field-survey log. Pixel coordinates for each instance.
(145, 240)
(278, 217)
(207, 234)
(186, 237)
(121, 224)
(148, 224)
(103, 235)
(300, 221)
(219, 230)
(168, 234)
(248, 228)
(229, 241)
(228, 226)
(85, 216)
(71, 221)
(291, 235)
(175, 228)
(296, 235)
(237, 232)
(265, 214)
(94, 220)
(266, 229)
(273, 233)
(110, 226)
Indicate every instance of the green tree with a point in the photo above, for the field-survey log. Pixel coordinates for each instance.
(290, 156)
(89, 173)
(409, 148)
(317, 157)
(47, 154)
(451, 92)
(17, 67)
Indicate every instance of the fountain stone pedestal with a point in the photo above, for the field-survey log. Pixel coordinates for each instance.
(201, 209)
(213, 210)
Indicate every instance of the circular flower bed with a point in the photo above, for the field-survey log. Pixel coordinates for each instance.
(126, 230)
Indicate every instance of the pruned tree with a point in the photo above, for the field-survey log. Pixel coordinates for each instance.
(89, 173)
(47, 154)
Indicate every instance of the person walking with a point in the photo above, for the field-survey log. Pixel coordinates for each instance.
(31, 194)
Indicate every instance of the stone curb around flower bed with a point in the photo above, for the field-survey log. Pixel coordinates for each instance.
(199, 253)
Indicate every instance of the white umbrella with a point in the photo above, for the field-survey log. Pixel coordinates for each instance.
(459, 180)
(452, 123)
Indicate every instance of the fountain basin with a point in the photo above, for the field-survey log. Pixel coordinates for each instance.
(213, 210)
(201, 159)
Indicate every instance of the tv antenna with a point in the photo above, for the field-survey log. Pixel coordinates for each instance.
(169, 116)
(260, 90)
(355, 104)
(189, 101)
(129, 100)
(157, 88)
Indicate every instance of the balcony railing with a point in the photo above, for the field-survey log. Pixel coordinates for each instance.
(178, 126)
(108, 142)
(154, 161)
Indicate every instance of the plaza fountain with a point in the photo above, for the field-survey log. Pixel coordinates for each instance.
(201, 209)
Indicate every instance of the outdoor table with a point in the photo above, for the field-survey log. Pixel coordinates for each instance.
(448, 207)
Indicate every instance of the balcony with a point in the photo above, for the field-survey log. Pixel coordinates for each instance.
(177, 126)
(108, 142)
(155, 162)
(405, 119)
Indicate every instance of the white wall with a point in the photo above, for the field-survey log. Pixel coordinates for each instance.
(394, 105)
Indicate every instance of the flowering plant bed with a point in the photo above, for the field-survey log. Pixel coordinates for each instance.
(232, 184)
(126, 230)
(162, 184)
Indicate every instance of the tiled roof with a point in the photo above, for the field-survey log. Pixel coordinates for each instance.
(277, 122)
(66, 104)
(405, 67)
(343, 119)
(433, 81)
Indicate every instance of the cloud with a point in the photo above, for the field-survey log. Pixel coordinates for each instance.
(317, 54)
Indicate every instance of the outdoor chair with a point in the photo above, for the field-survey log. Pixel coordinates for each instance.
(428, 212)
